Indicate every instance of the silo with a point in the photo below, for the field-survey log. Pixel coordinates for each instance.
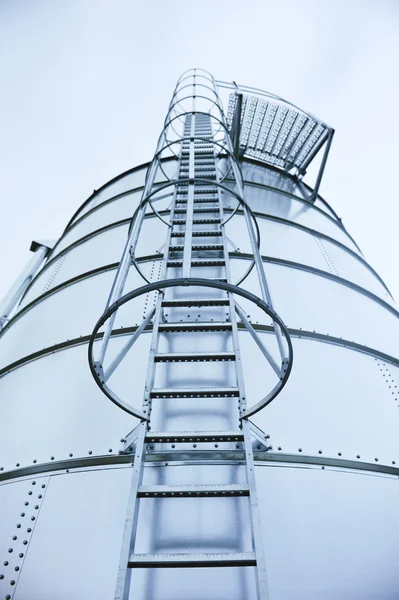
(198, 386)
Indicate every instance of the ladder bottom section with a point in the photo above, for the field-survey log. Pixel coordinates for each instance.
(170, 561)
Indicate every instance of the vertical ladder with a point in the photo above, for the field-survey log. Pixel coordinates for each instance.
(197, 212)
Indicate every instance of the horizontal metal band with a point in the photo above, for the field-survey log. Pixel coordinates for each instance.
(253, 183)
(110, 182)
(238, 255)
(199, 457)
(300, 182)
(320, 273)
(298, 333)
(238, 212)
(299, 199)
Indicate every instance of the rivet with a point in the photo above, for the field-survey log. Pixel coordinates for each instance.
(40, 496)
(34, 460)
(339, 453)
(21, 555)
(394, 462)
(32, 518)
(16, 568)
(70, 454)
(30, 493)
(26, 503)
(216, 445)
(5, 563)
(18, 525)
(25, 542)
(17, 464)
(110, 450)
(358, 456)
(10, 550)
(376, 459)
(43, 486)
(22, 514)
(52, 457)
(1, 576)
(29, 530)
(299, 449)
(14, 537)
(320, 452)
(90, 452)
(279, 448)
(33, 482)
(12, 582)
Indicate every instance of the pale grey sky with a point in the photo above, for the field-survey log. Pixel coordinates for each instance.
(85, 86)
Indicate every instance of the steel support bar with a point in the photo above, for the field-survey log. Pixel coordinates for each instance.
(122, 353)
(124, 573)
(256, 339)
(237, 125)
(11, 300)
(261, 576)
(315, 192)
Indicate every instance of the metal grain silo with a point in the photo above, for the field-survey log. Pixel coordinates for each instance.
(233, 434)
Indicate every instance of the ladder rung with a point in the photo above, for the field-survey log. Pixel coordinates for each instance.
(205, 262)
(193, 327)
(198, 247)
(184, 437)
(197, 233)
(194, 356)
(224, 392)
(198, 200)
(197, 221)
(202, 209)
(169, 561)
(192, 491)
(197, 302)
(208, 233)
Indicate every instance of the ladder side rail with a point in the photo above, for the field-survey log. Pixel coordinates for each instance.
(122, 589)
(255, 250)
(257, 540)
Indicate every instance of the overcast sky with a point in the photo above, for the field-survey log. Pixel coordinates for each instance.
(85, 85)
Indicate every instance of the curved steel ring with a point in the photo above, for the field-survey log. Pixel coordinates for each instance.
(168, 123)
(200, 138)
(207, 182)
(190, 98)
(211, 78)
(186, 282)
(192, 77)
(179, 88)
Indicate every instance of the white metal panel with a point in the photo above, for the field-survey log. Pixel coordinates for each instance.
(333, 537)
(70, 314)
(102, 249)
(75, 553)
(264, 176)
(305, 301)
(335, 400)
(57, 394)
(285, 207)
(314, 303)
(115, 210)
(123, 184)
(296, 245)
